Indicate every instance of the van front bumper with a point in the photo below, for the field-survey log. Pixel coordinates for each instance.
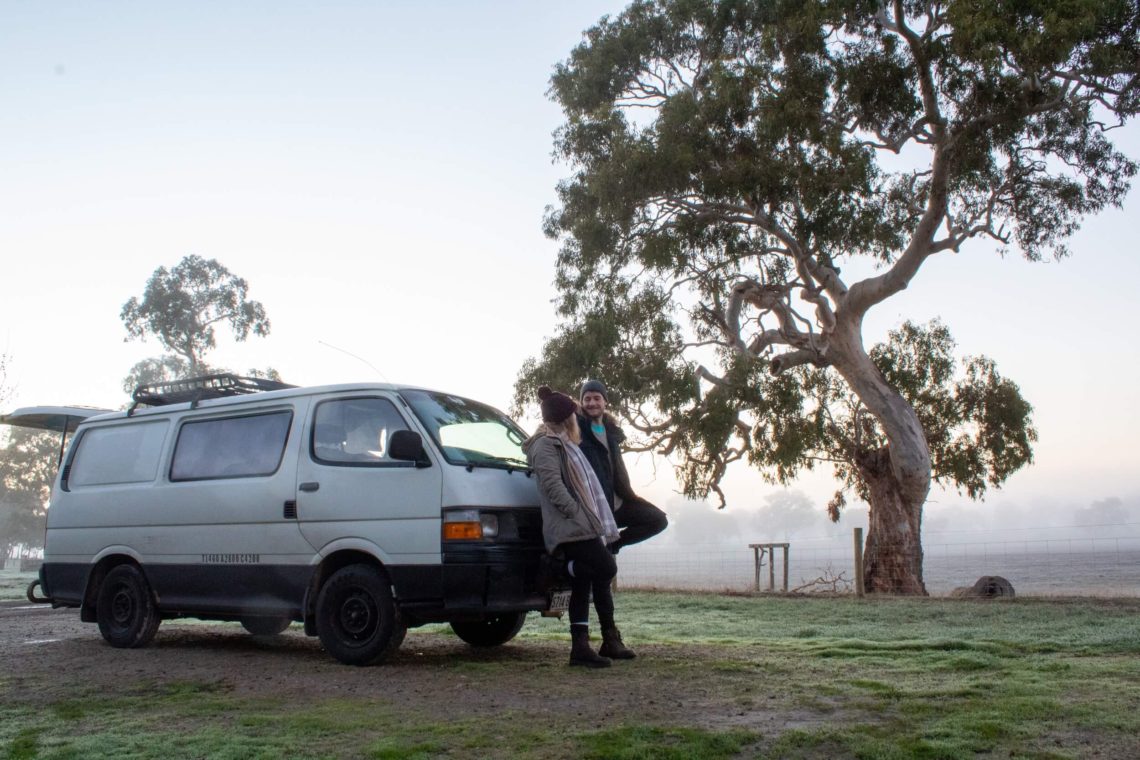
(488, 578)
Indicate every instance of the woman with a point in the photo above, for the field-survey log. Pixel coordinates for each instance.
(577, 522)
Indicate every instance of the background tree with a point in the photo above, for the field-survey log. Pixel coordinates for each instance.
(181, 306)
(27, 469)
(166, 368)
(157, 369)
(734, 161)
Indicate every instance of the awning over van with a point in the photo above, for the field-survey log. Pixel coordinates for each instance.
(61, 419)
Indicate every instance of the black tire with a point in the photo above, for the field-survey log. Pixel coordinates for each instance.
(265, 626)
(357, 619)
(125, 608)
(491, 632)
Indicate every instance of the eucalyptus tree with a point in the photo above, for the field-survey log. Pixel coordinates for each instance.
(158, 369)
(27, 466)
(181, 307)
(752, 177)
(28, 462)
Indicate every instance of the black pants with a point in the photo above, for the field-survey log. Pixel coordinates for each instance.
(594, 568)
(638, 520)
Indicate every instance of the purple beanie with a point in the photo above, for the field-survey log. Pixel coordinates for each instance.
(556, 407)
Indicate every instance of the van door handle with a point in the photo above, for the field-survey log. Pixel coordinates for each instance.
(309, 487)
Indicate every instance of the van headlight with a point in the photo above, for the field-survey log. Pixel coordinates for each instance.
(469, 525)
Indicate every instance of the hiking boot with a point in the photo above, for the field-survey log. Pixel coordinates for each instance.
(613, 647)
(581, 653)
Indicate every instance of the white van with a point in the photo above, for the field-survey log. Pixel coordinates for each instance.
(358, 510)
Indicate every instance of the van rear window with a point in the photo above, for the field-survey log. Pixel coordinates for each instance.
(118, 454)
(232, 447)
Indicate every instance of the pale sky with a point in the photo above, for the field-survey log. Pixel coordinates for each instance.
(378, 173)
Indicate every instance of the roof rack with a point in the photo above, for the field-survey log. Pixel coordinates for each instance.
(195, 389)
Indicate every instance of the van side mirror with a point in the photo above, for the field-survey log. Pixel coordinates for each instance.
(407, 445)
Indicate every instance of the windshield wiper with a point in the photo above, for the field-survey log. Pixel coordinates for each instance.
(500, 463)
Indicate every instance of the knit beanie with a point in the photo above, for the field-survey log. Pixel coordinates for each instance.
(556, 407)
(597, 386)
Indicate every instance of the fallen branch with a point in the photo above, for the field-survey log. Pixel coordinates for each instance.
(828, 583)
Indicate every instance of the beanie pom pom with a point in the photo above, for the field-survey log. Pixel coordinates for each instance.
(544, 392)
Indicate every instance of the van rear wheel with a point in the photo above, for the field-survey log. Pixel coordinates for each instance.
(357, 620)
(265, 626)
(125, 608)
(490, 632)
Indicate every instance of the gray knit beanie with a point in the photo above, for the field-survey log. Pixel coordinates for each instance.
(597, 386)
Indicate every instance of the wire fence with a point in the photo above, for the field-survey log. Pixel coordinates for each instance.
(1071, 566)
(1064, 564)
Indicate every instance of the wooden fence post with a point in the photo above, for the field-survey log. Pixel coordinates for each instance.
(859, 562)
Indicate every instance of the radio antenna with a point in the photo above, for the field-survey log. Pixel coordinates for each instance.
(354, 356)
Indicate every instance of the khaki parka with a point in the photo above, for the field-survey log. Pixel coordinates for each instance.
(564, 518)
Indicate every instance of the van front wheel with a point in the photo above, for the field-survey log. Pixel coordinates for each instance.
(125, 608)
(357, 620)
(490, 632)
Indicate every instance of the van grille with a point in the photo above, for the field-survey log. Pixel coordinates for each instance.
(530, 532)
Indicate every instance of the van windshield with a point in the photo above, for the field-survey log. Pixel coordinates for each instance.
(467, 432)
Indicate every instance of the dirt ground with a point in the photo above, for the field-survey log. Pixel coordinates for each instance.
(49, 655)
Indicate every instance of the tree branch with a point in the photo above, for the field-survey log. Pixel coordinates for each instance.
(798, 358)
(865, 294)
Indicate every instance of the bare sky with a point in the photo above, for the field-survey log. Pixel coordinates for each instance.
(378, 173)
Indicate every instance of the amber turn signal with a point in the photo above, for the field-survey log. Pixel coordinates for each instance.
(462, 531)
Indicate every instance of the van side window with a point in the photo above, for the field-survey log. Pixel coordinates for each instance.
(355, 431)
(118, 454)
(232, 447)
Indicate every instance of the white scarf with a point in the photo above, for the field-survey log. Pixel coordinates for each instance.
(595, 497)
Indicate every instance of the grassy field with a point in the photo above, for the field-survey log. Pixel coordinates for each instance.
(875, 678)
(14, 585)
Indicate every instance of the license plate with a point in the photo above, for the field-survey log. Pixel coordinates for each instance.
(559, 601)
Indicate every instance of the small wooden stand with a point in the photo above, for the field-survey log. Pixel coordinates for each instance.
(758, 551)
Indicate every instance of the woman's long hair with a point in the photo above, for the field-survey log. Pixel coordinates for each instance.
(569, 426)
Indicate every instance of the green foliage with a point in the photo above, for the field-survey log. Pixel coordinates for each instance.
(181, 306)
(166, 368)
(28, 465)
(157, 369)
(729, 157)
(976, 422)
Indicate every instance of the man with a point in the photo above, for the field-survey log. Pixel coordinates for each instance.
(601, 443)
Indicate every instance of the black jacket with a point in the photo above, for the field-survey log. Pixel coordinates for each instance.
(608, 465)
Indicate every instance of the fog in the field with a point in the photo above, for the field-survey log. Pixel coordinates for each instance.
(1043, 547)
(791, 515)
